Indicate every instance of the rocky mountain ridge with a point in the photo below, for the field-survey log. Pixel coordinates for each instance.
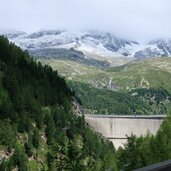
(103, 46)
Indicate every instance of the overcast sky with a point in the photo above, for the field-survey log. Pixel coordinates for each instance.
(131, 19)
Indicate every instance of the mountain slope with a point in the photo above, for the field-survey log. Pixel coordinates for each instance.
(153, 72)
(140, 83)
(100, 46)
(39, 130)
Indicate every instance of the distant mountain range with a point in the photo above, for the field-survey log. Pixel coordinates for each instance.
(94, 48)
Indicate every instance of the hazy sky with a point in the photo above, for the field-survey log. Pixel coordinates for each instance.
(132, 19)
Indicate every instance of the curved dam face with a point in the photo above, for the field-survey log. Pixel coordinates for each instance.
(117, 127)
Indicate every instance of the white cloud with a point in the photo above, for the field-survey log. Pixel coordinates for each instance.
(133, 19)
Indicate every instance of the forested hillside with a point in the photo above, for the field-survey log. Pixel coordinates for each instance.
(40, 132)
(138, 101)
(38, 128)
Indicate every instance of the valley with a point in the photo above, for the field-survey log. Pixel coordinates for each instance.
(85, 85)
(140, 87)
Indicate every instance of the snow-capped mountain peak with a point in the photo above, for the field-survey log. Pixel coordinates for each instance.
(91, 43)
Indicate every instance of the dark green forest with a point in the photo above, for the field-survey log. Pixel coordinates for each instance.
(40, 131)
(143, 151)
(138, 101)
(38, 128)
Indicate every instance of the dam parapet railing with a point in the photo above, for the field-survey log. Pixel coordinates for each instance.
(125, 116)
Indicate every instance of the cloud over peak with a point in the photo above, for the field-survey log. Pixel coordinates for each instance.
(133, 19)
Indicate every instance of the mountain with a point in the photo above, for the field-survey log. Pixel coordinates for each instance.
(40, 128)
(87, 41)
(156, 48)
(103, 47)
(11, 34)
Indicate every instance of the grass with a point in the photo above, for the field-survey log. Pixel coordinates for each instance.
(156, 71)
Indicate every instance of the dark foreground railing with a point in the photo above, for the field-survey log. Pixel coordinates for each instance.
(162, 166)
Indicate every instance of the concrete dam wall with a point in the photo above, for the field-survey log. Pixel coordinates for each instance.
(115, 128)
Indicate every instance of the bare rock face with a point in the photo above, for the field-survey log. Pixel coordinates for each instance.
(77, 108)
(2, 157)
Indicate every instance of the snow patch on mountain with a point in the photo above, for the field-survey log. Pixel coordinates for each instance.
(98, 45)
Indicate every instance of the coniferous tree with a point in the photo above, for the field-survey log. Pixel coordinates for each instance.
(36, 138)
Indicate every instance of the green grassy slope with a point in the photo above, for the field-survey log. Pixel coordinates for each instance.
(154, 72)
